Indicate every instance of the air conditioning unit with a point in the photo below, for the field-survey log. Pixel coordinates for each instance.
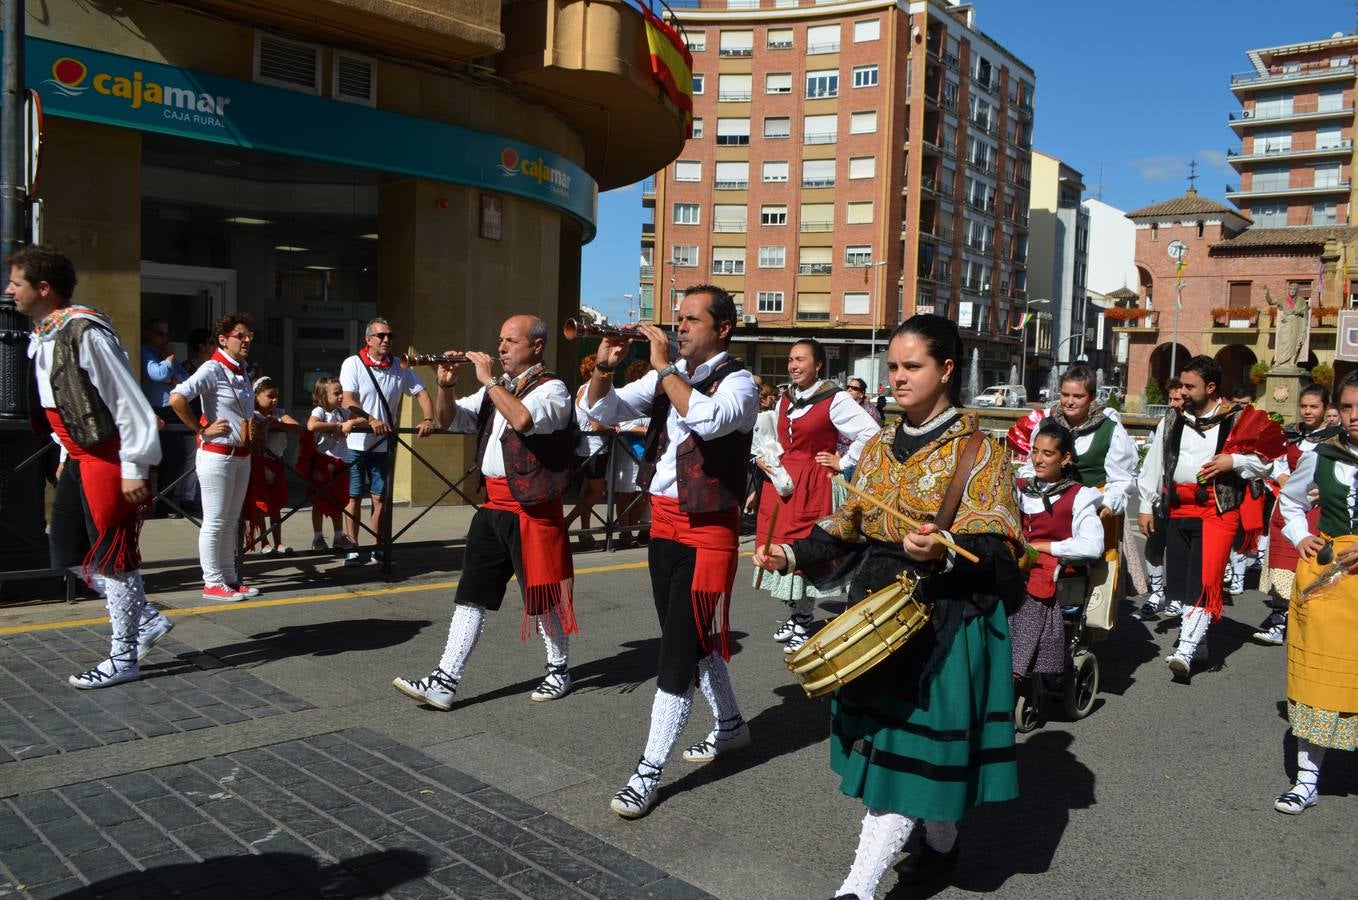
(751, 320)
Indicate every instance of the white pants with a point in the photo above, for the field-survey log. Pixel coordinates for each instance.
(222, 481)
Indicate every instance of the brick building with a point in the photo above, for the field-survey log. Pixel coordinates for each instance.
(1296, 134)
(1224, 311)
(851, 163)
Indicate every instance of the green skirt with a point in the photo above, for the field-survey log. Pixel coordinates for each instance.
(937, 760)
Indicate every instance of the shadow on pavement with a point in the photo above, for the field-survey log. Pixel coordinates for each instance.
(312, 639)
(1128, 648)
(795, 723)
(265, 875)
(1006, 839)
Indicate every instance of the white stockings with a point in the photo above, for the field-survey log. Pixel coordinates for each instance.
(555, 638)
(669, 715)
(1309, 758)
(1194, 629)
(125, 598)
(463, 633)
(882, 837)
(714, 680)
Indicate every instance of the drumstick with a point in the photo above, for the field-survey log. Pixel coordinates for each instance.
(768, 541)
(902, 517)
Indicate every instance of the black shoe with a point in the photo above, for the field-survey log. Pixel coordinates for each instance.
(927, 865)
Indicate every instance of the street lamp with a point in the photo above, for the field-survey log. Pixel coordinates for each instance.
(1023, 356)
(876, 278)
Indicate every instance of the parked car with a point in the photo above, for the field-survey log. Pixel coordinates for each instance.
(1107, 393)
(1001, 395)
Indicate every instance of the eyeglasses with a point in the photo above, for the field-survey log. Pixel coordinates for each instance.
(242, 335)
(854, 387)
(381, 335)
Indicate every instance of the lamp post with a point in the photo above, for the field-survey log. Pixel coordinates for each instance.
(1023, 355)
(876, 279)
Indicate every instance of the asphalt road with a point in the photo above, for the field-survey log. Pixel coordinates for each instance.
(1165, 790)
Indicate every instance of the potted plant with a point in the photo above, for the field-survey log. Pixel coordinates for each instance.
(1234, 316)
(1324, 316)
(1259, 373)
(1125, 314)
(1323, 375)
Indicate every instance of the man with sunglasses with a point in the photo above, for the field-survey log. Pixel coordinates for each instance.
(222, 385)
(374, 381)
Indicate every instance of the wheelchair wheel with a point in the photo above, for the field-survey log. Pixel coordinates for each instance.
(1027, 706)
(1082, 685)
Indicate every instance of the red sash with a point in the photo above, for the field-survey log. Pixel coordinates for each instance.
(715, 536)
(1218, 533)
(548, 580)
(117, 520)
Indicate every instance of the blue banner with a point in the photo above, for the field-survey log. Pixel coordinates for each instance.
(79, 83)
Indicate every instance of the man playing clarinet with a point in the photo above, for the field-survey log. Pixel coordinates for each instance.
(702, 408)
(524, 450)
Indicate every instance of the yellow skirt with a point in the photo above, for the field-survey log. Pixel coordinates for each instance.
(1322, 640)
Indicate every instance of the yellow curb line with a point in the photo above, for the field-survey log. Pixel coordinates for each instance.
(288, 601)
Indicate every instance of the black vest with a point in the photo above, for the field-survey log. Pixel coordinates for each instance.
(537, 466)
(1230, 488)
(82, 410)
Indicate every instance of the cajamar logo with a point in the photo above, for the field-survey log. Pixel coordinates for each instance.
(509, 162)
(542, 172)
(68, 77)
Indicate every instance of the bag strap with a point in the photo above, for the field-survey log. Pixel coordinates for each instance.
(952, 499)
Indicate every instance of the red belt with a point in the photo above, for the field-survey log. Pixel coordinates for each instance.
(224, 449)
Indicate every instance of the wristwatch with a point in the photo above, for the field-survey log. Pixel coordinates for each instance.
(491, 382)
(665, 372)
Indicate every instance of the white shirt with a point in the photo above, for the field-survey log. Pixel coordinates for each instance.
(224, 395)
(1194, 452)
(328, 443)
(733, 407)
(1280, 466)
(549, 404)
(276, 442)
(395, 380)
(853, 423)
(1086, 531)
(1119, 466)
(592, 436)
(1293, 502)
(110, 371)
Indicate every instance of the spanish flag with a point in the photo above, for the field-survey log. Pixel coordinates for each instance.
(672, 64)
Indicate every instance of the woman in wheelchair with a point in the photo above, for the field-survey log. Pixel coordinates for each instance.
(1060, 525)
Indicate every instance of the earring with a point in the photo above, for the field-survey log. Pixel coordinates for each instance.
(945, 379)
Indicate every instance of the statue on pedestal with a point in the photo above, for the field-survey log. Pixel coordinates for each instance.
(1290, 327)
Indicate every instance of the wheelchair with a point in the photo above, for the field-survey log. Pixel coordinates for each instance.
(1077, 686)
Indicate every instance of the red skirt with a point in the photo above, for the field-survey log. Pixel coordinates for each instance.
(118, 520)
(328, 483)
(1281, 553)
(811, 500)
(268, 491)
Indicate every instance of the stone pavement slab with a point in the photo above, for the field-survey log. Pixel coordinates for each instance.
(40, 714)
(340, 814)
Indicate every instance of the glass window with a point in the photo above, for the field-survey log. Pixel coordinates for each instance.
(777, 127)
(772, 257)
(1331, 99)
(860, 213)
(778, 83)
(822, 39)
(818, 173)
(819, 129)
(688, 170)
(818, 217)
(867, 30)
(864, 76)
(1324, 213)
(697, 41)
(773, 214)
(685, 255)
(737, 43)
(775, 170)
(770, 301)
(685, 214)
(1327, 175)
(822, 83)
(728, 260)
(858, 255)
(863, 122)
(856, 303)
(814, 260)
(779, 38)
(732, 175)
(728, 217)
(1328, 137)
(1272, 140)
(733, 87)
(862, 166)
(697, 83)
(733, 132)
(813, 307)
(697, 128)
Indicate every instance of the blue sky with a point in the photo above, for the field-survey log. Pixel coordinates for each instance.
(1134, 89)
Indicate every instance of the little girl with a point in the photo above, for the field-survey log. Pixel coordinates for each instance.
(326, 468)
(1060, 521)
(268, 491)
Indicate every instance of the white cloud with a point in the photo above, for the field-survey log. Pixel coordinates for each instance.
(1160, 167)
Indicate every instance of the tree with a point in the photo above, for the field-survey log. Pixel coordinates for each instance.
(1155, 394)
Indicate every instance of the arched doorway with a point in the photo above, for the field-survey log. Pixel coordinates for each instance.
(1236, 361)
(1161, 358)
(1147, 293)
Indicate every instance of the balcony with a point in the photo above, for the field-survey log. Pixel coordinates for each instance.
(729, 227)
(1227, 319)
(817, 226)
(1299, 112)
(736, 52)
(647, 272)
(1274, 151)
(648, 188)
(818, 182)
(824, 47)
(1133, 321)
(733, 96)
(814, 268)
(648, 228)
(1271, 190)
(819, 137)
(732, 184)
(587, 63)
(1291, 74)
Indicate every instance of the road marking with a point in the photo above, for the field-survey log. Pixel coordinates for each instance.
(289, 601)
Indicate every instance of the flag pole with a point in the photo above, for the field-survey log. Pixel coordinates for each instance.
(1178, 304)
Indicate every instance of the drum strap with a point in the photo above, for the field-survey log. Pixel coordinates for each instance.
(952, 499)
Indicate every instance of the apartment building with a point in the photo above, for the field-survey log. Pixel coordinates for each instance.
(851, 163)
(1296, 124)
(1059, 246)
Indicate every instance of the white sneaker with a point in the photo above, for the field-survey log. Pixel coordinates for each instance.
(438, 689)
(1181, 667)
(106, 674)
(556, 685)
(638, 796)
(719, 743)
(1275, 635)
(353, 559)
(151, 631)
(784, 631)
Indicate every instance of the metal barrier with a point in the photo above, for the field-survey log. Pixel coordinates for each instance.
(385, 539)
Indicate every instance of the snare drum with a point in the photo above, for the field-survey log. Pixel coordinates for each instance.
(860, 637)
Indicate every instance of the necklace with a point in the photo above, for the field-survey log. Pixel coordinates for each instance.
(930, 425)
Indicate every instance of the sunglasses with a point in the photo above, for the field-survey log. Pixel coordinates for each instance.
(381, 335)
(242, 335)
